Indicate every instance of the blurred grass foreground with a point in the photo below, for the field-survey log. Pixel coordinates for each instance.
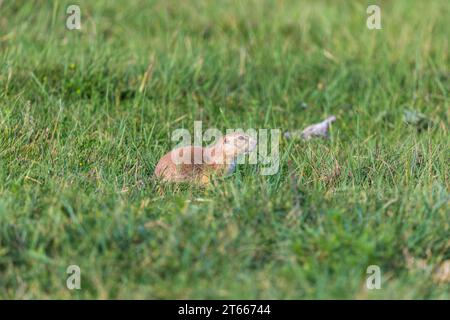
(86, 114)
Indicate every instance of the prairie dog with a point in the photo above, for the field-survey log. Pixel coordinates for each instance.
(197, 164)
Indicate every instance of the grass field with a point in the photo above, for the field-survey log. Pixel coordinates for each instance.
(79, 141)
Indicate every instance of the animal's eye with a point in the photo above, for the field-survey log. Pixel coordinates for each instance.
(241, 138)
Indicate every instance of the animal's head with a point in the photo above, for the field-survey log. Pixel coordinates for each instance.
(235, 144)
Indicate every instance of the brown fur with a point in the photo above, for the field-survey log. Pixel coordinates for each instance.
(199, 173)
(202, 173)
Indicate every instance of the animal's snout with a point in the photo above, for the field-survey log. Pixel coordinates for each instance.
(252, 143)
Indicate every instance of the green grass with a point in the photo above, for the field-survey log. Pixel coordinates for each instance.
(79, 142)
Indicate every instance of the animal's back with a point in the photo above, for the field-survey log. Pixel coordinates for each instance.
(168, 170)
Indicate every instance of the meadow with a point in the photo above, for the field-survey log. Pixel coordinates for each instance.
(86, 114)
